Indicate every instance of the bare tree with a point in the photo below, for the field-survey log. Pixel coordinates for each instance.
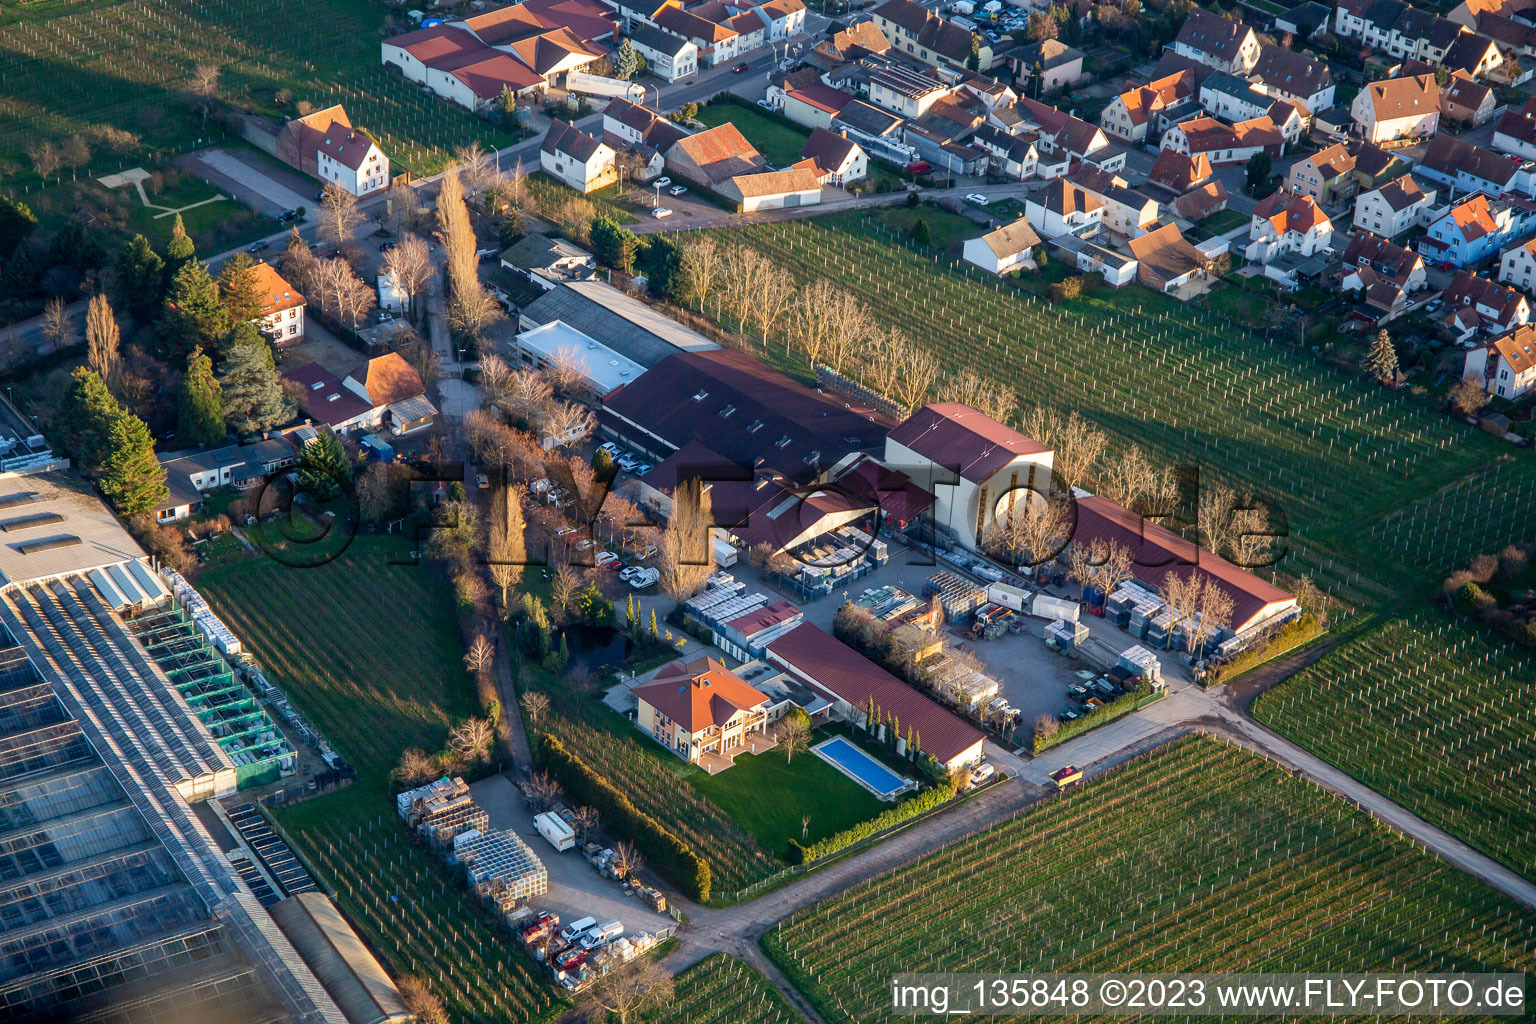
(535, 704)
(1077, 445)
(477, 168)
(527, 394)
(56, 326)
(769, 296)
(586, 819)
(684, 555)
(1215, 614)
(480, 654)
(75, 152)
(848, 328)
(1200, 605)
(810, 323)
(627, 993)
(415, 767)
(1134, 482)
(626, 859)
(1253, 534)
(472, 310)
(1030, 531)
(563, 585)
(504, 548)
(422, 1001)
(566, 424)
(916, 371)
(517, 186)
(879, 363)
(568, 371)
(339, 214)
(472, 738)
(970, 388)
(495, 378)
(410, 267)
(203, 87)
(341, 292)
(542, 789)
(102, 338)
(46, 159)
(706, 263)
(793, 734)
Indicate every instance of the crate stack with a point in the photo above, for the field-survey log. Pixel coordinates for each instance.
(502, 869)
(1064, 635)
(874, 549)
(1142, 614)
(958, 597)
(441, 810)
(1143, 663)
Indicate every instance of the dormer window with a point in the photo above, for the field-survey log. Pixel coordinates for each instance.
(782, 442)
(700, 395)
(726, 412)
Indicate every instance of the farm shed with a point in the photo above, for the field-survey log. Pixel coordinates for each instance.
(340, 960)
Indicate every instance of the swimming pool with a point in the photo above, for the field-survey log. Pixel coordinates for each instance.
(862, 768)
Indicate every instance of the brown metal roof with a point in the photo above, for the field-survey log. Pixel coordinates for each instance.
(960, 438)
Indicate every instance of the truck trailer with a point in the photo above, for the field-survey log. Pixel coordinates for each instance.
(552, 827)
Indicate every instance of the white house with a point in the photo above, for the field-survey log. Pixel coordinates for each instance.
(1231, 98)
(1217, 42)
(772, 190)
(1517, 266)
(1062, 208)
(782, 18)
(1005, 249)
(1224, 144)
(1398, 108)
(1396, 207)
(1516, 131)
(836, 159)
(667, 55)
(582, 161)
(351, 160)
(282, 318)
(1288, 75)
(1285, 223)
(974, 466)
(1127, 212)
(1506, 366)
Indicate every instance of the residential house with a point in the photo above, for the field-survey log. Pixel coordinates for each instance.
(324, 145)
(393, 390)
(812, 106)
(1004, 249)
(1063, 208)
(548, 261)
(1307, 20)
(717, 42)
(191, 474)
(714, 155)
(782, 19)
(1300, 77)
(628, 125)
(1476, 55)
(1517, 266)
(1217, 42)
(851, 682)
(1127, 211)
(1516, 131)
(1291, 118)
(1398, 29)
(1396, 207)
(282, 315)
(1116, 268)
(1225, 144)
(1054, 63)
(1397, 109)
(973, 465)
(1130, 116)
(1327, 175)
(1471, 230)
(1385, 274)
(772, 190)
(909, 92)
(667, 54)
(1201, 202)
(1232, 98)
(1374, 166)
(919, 33)
(851, 42)
(582, 161)
(1467, 168)
(1166, 263)
(327, 401)
(1505, 366)
(1179, 172)
(700, 708)
(837, 159)
(1465, 103)
(1071, 136)
(1013, 156)
(1284, 223)
(1477, 305)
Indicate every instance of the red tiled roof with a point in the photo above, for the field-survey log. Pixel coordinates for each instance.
(837, 669)
(699, 694)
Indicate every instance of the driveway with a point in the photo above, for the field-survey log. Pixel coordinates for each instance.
(255, 187)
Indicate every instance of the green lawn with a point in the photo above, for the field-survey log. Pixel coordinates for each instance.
(1198, 857)
(949, 230)
(779, 143)
(767, 796)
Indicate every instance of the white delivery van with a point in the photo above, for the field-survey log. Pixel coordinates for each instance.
(576, 929)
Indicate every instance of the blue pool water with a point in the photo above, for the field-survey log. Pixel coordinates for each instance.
(875, 776)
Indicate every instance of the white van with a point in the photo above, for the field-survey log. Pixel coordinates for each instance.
(576, 929)
(602, 934)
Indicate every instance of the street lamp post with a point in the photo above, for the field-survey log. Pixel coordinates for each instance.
(657, 204)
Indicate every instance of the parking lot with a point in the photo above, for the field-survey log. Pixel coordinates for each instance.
(576, 890)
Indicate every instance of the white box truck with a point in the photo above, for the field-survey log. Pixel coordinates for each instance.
(1048, 607)
(1011, 598)
(552, 827)
(725, 554)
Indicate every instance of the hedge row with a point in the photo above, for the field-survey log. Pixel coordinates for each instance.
(1292, 635)
(663, 850)
(908, 809)
(1122, 705)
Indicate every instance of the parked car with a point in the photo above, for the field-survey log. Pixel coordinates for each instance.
(660, 212)
(319, 195)
(662, 182)
(650, 549)
(565, 531)
(1070, 714)
(739, 68)
(642, 469)
(602, 935)
(626, 461)
(386, 246)
(482, 481)
(1433, 306)
(677, 190)
(609, 447)
(765, 104)
(573, 957)
(256, 247)
(629, 572)
(977, 198)
(606, 560)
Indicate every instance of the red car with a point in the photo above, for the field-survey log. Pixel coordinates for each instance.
(739, 68)
(573, 957)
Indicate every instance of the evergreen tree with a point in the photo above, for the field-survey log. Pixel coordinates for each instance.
(613, 243)
(20, 278)
(193, 315)
(1381, 360)
(179, 251)
(131, 477)
(238, 289)
(626, 63)
(655, 632)
(254, 398)
(84, 419)
(139, 287)
(16, 225)
(665, 262)
(76, 247)
(921, 233)
(323, 467)
(200, 408)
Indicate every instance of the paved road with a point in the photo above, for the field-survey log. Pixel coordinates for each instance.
(279, 197)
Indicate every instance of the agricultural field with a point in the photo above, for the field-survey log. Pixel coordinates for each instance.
(723, 990)
(1171, 863)
(63, 72)
(331, 639)
(1344, 460)
(1430, 715)
(416, 912)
